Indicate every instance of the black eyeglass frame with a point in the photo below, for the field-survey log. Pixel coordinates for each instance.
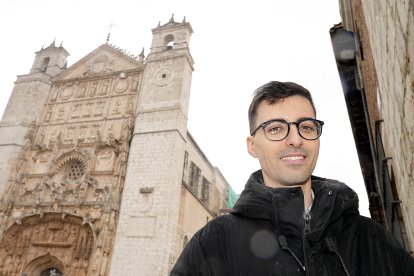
(264, 124)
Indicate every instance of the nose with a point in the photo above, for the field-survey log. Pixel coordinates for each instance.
(293, 138)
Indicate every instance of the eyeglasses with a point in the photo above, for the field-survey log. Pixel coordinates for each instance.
(277, 129)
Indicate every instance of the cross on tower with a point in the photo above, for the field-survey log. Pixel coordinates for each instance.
(109, 32)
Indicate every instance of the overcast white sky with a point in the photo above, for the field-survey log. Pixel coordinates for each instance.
(236, 45)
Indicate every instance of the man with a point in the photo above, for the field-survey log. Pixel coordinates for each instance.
(286, 221)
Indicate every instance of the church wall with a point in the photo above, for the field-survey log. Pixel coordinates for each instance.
(151, 197)
(17, 124)
(391, 34)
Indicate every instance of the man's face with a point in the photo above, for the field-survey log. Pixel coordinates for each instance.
(289, 162)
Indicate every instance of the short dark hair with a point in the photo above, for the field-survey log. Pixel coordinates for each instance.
(272, 92)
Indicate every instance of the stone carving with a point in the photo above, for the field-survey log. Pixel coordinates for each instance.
(67, 91)
(110, 135)
(105, 160)
(127, 129)
(95, 134)
(130, 109)
(70, 134)
(60, 114)
(48, 114)
(116, 107)
(64, 191)
(54, 93)
(87, 110)
(100, 107)
(82, 90)
(83, 131)
(41, 161)
(100, 65)
(105, 87)
(30, 135)
(121, 83)
(76, 110)
(93, 88)
(134, 83)
(37, 236)
(120, 168)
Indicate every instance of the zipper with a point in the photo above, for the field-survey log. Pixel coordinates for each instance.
(307, 217)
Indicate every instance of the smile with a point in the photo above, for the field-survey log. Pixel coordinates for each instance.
(292, 158)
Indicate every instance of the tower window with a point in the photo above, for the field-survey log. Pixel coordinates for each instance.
(44, 65)
(169, 42)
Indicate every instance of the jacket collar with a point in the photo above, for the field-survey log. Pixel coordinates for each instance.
(284, 207)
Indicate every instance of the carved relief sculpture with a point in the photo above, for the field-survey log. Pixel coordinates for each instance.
(62, 202)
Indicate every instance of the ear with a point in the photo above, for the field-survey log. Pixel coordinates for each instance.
(250, 146)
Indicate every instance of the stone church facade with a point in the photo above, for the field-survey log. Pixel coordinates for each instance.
(100, 175)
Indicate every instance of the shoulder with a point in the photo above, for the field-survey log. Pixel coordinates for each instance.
(377, 243)
(374, 234)
(339, 187)
(216, 226)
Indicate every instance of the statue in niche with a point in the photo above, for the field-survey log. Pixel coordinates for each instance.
(127, 130)
(99, 108)
(82, 90)
(70, 134)
(57, 189)
(88, 182)
(104, 160)
(48, 114)
(110, 135)
(120, 168)
(41, 137)
(61, 114)
(76, 110)
(28, 138)
(88, 110)
(104, 88)
(95, 134)
(103, 195)
(92, 89)
(53, 136)
(130, 106)
(19, 167)
(83, 130)
(116, 107)
(54, 94)
(135, 83)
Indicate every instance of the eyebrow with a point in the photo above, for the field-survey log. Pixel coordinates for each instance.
(280, 119)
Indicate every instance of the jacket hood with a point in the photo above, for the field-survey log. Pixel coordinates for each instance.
(285, 206)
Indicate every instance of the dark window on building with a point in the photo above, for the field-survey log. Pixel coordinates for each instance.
(205, 191)
(194, 181)
(44, 65)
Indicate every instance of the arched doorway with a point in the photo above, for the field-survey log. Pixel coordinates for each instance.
(52, 271)
(46, 265)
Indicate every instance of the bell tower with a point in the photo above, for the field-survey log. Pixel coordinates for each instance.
(25, 106)
(148, 219)
(50, 60)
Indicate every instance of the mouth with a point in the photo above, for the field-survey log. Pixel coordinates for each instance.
(293, 158)
(296, 158)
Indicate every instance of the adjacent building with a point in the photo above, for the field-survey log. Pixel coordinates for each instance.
(100, 175)
(374, 52)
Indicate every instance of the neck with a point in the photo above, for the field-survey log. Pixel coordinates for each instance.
(307, 195)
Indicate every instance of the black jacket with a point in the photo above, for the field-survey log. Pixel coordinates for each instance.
(267, 233)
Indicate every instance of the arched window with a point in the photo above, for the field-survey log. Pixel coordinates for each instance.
(169, 42)
(76, 170)
(44, 65)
